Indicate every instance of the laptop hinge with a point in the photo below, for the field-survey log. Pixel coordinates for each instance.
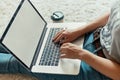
(38, 47)
(3, 49)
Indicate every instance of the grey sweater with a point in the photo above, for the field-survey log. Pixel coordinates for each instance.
(110, 34)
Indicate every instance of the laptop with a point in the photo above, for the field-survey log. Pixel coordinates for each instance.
(28, 37)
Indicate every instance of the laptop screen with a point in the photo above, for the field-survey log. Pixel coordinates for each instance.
(24, 33)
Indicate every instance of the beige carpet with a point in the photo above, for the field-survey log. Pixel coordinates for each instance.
(16, 77)
(74, 11)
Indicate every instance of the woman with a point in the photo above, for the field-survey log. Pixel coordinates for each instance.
(95, 66)
(109, 64)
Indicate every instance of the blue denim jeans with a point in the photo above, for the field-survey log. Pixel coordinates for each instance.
(8, 64)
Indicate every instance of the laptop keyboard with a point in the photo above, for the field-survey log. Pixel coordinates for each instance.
(50, 56)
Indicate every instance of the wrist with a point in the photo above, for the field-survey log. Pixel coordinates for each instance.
(84, 55)
(79, 32)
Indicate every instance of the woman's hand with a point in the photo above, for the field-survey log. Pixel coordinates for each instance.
(65, 36)
(69, 50)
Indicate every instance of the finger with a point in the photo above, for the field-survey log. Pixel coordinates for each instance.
(62, 50)
(58, 34)
(62, 47)
(59, 38)
(64, 41)
(65, 56)
(64, 53)
(65, 44)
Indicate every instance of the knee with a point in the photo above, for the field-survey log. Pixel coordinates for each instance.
(13, 65)
(4, 62)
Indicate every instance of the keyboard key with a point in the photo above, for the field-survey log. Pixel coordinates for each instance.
(50, 56)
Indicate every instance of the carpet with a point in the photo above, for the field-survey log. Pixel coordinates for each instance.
(74, 11)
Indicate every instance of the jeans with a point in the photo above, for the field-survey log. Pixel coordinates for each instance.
(8, 64)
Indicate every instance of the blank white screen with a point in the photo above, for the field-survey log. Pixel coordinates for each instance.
(23, 36)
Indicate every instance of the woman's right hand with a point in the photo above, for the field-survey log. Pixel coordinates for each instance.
(65, 36)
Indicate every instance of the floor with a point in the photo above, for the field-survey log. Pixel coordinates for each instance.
(16, 77)
(74, 11)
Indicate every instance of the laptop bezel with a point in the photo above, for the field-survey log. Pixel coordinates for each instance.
(40, 40)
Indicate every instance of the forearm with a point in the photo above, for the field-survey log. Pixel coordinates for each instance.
(93, 25)
(105, 66)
